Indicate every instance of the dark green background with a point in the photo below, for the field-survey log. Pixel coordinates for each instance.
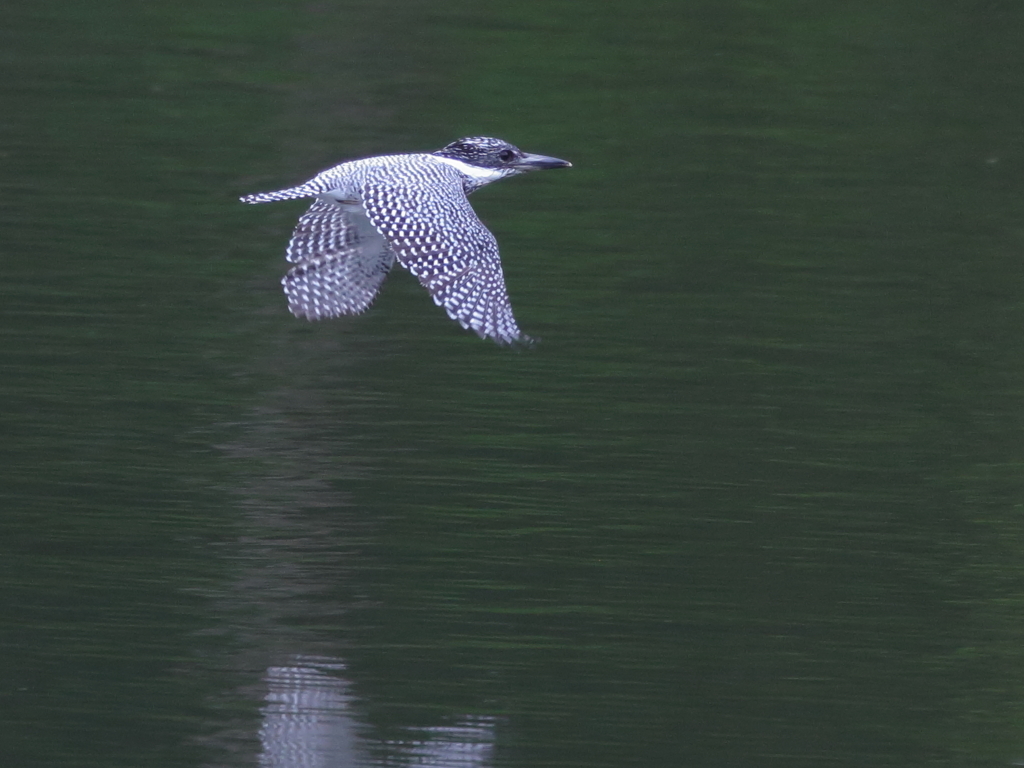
(755, 500)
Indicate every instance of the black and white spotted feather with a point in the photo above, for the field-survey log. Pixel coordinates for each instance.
(444, 245)
(412, 208)
(340, 263)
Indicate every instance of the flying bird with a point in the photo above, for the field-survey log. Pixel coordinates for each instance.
(410, 208)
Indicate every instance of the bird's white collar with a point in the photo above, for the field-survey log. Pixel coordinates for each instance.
(482, 175)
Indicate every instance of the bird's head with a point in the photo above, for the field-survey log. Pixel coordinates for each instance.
(484, 160)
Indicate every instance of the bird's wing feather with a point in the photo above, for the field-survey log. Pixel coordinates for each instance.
(340, 263)
(430, 225)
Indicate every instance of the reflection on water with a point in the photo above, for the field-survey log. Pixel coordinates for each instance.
(464, 745)
(307, 723)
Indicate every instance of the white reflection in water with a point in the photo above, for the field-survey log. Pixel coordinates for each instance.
(468, 744)
(306, 724)
(305, 720)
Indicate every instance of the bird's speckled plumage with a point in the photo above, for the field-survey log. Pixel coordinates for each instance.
(412, 208)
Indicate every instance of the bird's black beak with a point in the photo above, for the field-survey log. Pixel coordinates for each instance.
(540, 163)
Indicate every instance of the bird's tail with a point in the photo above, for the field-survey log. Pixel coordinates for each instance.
(292, 193)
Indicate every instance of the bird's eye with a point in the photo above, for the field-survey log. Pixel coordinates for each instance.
(506, 155)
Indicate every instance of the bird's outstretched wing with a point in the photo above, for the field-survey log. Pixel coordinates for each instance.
(340, 262)
(437, 236)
